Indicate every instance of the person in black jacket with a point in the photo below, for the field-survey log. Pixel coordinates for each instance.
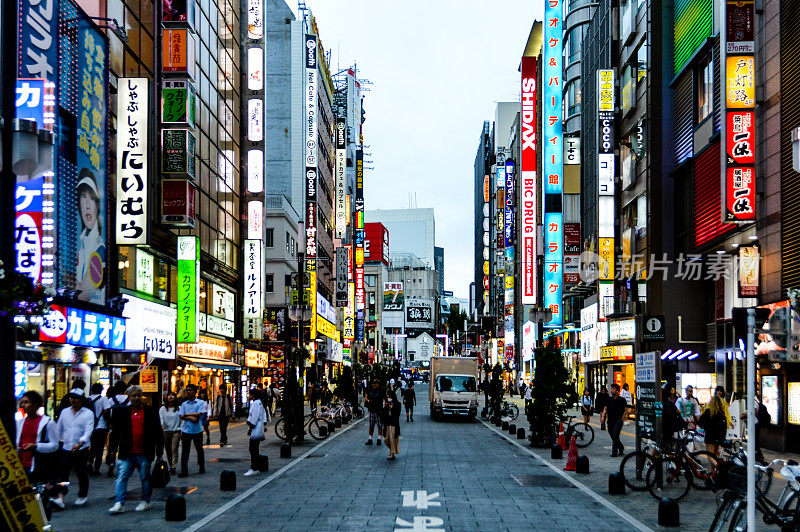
(390, 419)
(136, 430)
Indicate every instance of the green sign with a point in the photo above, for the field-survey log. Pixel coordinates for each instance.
(178, 103)
(188, 289)
(177, 153)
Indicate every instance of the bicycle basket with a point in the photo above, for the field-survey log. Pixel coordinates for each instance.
(735, 479)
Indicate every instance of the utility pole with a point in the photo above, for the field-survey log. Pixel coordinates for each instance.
(8, 181)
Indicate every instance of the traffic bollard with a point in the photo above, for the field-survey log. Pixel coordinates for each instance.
(484, 412)
(520, 433)
(616, 483)
(556, 452)
(323, 431)
(338, 422)
(227, 480)
(286, 450)
(582, 465)
(331, 427)
(668, 513)
(504, 426)
(263, 463)
(512, 428)
(175, 508)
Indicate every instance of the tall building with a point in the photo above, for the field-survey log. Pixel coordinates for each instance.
(413, 231)
(484, 158)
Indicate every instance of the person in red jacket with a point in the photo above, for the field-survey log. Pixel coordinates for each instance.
(136, 430)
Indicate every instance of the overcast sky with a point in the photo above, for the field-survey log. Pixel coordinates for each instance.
(437, 69)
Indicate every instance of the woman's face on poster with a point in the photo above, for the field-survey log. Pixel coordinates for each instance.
(88, 209)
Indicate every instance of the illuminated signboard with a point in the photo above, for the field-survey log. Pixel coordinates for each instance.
(177, 54)
(694, 23)
(508, 228)
(132, 156)
(255, 19)
(606, 266)
(255, 220)
(253, 279)
(749, 258)
(82, 328)
(150, 327)
(255, 171)
(740, 88)
(178, 153)
(255, 68)
(622, 330)
(740, 194)
(342, 213)
(188, 281)
(177, 103)
(554, 256)
(606, 210)
(618, 353)
(528, 192)
(255, 120)
(741, 137)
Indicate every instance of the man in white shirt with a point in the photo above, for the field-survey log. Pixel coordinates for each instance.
(99, 404)
(689, 408)
(75, 427)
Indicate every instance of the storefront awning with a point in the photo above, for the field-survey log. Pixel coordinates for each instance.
(211, 363)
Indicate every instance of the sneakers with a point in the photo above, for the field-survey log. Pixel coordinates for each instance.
(142, 506)
(250, 473)
(116, 509)
(379, 442)
(80, 501)
(369, 442)
(58, 501)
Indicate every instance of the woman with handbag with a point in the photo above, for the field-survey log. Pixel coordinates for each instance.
(587, 405)
(256, 422)
(171, 425)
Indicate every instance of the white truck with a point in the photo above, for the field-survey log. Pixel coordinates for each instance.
(454, 386)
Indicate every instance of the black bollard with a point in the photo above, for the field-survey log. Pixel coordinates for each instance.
(504, 426)
(227, 480)
(616, 483)
(286, 450)
(175, 509)
(338, 422)
(484, 413)
(556, 452)
(331, 427)
(520, 433)
(512, 428)
(263, 463)
(668, 513)
(323, 431)
(582, 465)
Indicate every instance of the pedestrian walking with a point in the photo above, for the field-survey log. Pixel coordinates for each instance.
(485, 387)
(223, 410)
(715, 423)
(257, 423)
(136, 431)
(587, 405)
(98, 404)
(689, 408)
(275, 395)
(410, 400)
(191, 413)
(202, 394)
(37, 440)
(600, 403)
(528, 398)
(267, 397)
(626, 394)
(65, 401)
(75, 428)
(116, 397)
(374, 404)
(671, 419)
(170, 419)
(390, 419)
(615, 412)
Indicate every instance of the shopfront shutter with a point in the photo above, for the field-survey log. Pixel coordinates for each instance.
(790, 119)
(708, 197)
(683, 117)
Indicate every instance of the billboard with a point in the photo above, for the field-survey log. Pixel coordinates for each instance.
(342, 258)
(132, 161)
(83, 328)
(340, 177)
(376, 243)
(393, 297)
(529, 196)
(188, 281)
(150, 327)
(177, 103)
(419, 314)
(739, 172)
(177, 55)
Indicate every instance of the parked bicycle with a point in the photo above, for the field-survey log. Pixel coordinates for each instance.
(509, 410)
(343, 410)
(583, 432)
(312, 424)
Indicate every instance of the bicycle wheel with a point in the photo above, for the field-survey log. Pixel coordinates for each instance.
(724, 512)
(315, 429)
(634, 468)
(280, 429)
(325, 412)
(513, 411)
(706, 463)
(739, 519)
(668, 478)
(584, 434)
(358, 411)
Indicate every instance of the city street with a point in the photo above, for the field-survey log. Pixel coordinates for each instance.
(485, 480)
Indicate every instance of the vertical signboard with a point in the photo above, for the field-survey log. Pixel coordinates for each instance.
(132, 158)
(342, 213)
(738, 155)
(553, 161)
(605, 179)
(648, 393)
(341, 276)
(528, 192)
(253, 298)
(359, 248)
(749, 258)
(188, 296)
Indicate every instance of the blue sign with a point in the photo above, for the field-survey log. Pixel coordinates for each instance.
(360, 326)
(20, 378)
(552, 112)
(553, 277)
(38, 42)
(92, 329)
(30, 100)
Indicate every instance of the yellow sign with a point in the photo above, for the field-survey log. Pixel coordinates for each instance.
(620, 353)
(509, 282)
(359, 256)
(148, 380)
(256, 359)
(605, 86)
(606, 265)
(740, 87)
(326, 328)
(306, 297)
(61, 391)
(486, 267)
(313, 283)
(18, 505)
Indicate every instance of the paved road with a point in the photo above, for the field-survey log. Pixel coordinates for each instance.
(480, 478)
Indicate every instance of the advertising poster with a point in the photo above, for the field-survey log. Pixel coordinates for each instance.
(188, 289)
(148, 380)
(177, 11)
(392, 297)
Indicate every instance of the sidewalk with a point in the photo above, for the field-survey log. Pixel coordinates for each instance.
(201, 491)
(696, 509)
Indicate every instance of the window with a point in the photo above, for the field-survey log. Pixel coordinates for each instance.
(704, 88)
(270, 283)
(288, 242)
(370, 280)
(268, 242)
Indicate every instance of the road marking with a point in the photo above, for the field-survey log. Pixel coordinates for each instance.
(421, 523)
(638, 525)
(233, 502)
(420, 499)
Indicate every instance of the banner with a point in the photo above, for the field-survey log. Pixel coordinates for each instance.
(529, 194)
(393, 297)
(342, 214)
(132, 161)
(188, 281)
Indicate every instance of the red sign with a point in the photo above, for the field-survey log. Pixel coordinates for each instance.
(741, 137)
(177, 207)
(741, 194)
(528, 180)
(54, 325)
(376, 243)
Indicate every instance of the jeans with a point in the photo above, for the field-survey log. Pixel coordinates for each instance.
(76, 460)
(186, 444)
(254, 454)
(171, 440)
(98, 443)
(223, 429)
(614, 428)
(125, 469)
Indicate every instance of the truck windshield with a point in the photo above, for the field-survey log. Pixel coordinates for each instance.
(455, 383)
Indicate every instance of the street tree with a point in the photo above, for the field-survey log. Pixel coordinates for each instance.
(552, 391)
